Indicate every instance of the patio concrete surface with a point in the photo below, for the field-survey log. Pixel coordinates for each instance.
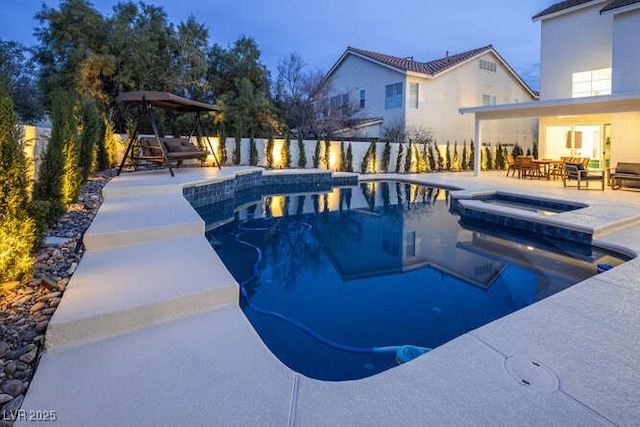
(149, 333)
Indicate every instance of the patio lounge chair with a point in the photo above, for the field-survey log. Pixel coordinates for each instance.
(577, 172)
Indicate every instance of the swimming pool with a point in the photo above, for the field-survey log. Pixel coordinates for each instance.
(327, 276)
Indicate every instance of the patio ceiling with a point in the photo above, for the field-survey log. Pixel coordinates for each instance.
(558, 107)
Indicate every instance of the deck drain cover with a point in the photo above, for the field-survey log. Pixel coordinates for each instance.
(531, 373)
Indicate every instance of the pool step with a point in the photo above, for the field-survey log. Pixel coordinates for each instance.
(155, 282)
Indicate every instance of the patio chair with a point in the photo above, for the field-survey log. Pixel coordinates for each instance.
(527, 168)
(512, 165)
(577, 172)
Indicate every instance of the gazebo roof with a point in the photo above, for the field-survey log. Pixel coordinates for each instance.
(166, 100)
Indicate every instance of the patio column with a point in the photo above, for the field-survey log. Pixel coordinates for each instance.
(477, 147)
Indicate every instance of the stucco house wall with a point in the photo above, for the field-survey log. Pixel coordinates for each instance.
(573, 42)
(626, 52)
(439, 97)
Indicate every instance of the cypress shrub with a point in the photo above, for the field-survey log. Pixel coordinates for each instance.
(316, 154)
(399, 158)
(222, 146)
(302, 156)
(89, 136)
(342, 156)
(472, 155)
(17, 228)
(464, 165)
(439, 158)
(349, 159)
(488, 158)
(268, 152)
(49, 191)
(534, 152)
(285, 152)
(447, 164)
(455, 165)
(327, 151)
(432, 158)
(386, 157)
(253, 152)
(408, 157)
(237, 152)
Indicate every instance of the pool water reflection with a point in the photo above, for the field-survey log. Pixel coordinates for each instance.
(382, 264)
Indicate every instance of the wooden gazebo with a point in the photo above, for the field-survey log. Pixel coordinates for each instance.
(157, 148)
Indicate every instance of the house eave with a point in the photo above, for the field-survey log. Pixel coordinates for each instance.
(623, 9)
(555, 14)
(620, 103)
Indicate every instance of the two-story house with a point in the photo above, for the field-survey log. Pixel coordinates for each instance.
(589, 82)
(379, 91)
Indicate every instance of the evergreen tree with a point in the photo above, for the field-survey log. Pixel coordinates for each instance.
(424, 158)
(342, 156)
(327, 152)
(17, 228)
(316, 154)
(488, 157)
(472, 155)
(499, 158)
(447, 164)
(439, 157)
(51, 190)
(535, 150)
(432, 159)
(386, 157)
(302, 157)
(285, 152)
(408, 157)
(374, 155)
(222, 146)
(399, 158)
(268, 153)
(237, 152)
(528, 151)
(455, 166)
(89, 137)
(464, 165)
(349, 159)
(253, 151)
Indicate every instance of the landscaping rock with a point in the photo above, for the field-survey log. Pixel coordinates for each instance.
(13, 387)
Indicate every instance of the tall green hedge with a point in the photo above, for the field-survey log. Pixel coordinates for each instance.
(17, 228)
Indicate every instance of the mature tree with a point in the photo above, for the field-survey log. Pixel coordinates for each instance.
(20, 81)
(67, 38)
(240, 83)
(17, 229)
(294, 90)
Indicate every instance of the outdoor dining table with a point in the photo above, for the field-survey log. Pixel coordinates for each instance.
(546, 165)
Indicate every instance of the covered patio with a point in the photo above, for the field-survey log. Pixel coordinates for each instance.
(617, 118)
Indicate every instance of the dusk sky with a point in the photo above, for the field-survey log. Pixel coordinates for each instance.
(321, 31)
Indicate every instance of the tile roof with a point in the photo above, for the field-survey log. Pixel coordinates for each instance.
(615, 4)
(611, 5)
(560, 6)
(431, 68)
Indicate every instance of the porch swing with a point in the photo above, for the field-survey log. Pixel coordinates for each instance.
(159, 149)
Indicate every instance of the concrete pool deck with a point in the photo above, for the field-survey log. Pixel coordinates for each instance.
(149, 333)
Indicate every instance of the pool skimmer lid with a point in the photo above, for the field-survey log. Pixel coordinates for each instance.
(532, 374)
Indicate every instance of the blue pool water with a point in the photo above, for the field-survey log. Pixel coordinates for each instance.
(379, 264)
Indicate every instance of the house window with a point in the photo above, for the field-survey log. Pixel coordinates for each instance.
(488, 100)
(363, 98)
(591, 83)
(393, 96)
(488, 65)
(413, 94)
